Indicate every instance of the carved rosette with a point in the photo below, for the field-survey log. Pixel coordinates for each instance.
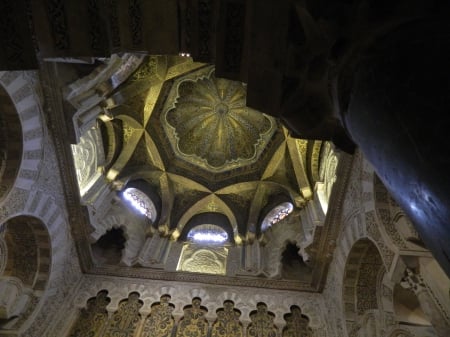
(210, 125)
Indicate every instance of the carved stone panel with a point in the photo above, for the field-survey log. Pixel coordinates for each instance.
(227, 323)
(92, 319)
(262, 322)
(193, 323)
(296, 324)
(125, 320)
(203, 259)
(160, 322)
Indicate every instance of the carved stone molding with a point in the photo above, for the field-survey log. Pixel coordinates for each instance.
(244, 298)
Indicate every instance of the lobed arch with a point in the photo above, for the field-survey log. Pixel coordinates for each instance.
(362, 221)
(134, 233)
(278, 239)
(244, 298)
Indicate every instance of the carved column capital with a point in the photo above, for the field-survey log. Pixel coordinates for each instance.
(412, 280)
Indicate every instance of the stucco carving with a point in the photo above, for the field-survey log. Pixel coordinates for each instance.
(245, 299)
(329, 160)
(210, 125)
(297, 324)
(199, 259)
(227, 323)
(127, 317)
(134, 228)
(288, 230)
(262, 322)
(93, 318)
(88, 156)
(160, 322)
(38, 192)
(193, 323)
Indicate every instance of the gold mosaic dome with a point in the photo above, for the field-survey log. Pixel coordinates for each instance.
(209, 124)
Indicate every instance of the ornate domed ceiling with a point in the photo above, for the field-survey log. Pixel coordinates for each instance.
(209, 125)
(199, 145)
(171, 129)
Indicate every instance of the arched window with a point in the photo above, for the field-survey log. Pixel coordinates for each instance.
(207, 237)
(140, 202)
(207, 234)
(141, 196)
(276, 214)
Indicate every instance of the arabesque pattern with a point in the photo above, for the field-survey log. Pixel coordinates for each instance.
(211, 125)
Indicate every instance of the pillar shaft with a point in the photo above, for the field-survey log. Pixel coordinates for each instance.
(397, 115)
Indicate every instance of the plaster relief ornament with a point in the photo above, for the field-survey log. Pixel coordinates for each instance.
(91, 320)
(193, 323)
(296, 324)
(227, 323)
(209, 124)
(126, 319)
(85, 158)
(160, 322)
(262, 322)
